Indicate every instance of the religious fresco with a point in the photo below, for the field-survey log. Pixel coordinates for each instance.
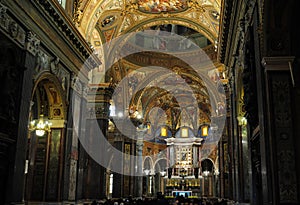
(157, 6)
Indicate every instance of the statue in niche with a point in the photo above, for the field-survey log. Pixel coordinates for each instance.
(61, 74)
(64, 82)
(54, 66)
(42, 61)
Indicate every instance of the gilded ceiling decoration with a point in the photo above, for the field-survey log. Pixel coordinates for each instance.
(158, 6)
(126, 16)
(150, 91)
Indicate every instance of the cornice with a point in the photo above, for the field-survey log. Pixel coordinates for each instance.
(56, 13)
(227, 7)
(234, 26)
(278, 63)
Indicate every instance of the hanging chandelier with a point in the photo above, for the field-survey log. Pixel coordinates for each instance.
(40, 126)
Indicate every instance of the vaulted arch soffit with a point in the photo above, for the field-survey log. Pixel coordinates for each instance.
(116, 17)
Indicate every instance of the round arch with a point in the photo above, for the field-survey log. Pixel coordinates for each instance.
(45, 154)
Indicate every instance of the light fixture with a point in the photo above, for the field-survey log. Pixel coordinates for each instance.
(204, 130)
(147, 171)
(206, 173)
(148, 125)
(139, 116)
(120, 114)
(40, 126)
(242, 120)
(163, 173)
(163, 131)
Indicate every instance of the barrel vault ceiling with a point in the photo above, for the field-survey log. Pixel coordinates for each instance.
(99, 21)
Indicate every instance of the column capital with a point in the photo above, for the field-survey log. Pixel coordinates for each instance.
(277, 63)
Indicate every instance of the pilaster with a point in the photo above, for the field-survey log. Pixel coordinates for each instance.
(98, 116)
(279, 83)
(139, 163)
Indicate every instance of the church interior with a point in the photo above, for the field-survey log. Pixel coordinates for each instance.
(149, 102)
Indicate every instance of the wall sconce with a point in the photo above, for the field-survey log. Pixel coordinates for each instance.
(40, 126)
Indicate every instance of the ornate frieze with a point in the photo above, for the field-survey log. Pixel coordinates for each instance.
(85, 90)
(32, 44)
(62, 74)
(243, 24)
(42, 61)
(77, 13)
(10, 26)
(67, 27)
(99, 102)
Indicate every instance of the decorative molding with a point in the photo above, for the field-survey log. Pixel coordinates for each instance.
(77, 13)
(282, 133)
(85, 90)
(76, 84)
(99, 101)
(11, 27)
(42, 61)
(54, 12)
(226, 23)
(98, 110)
(62, 74)
(32, 44)
(277, 63)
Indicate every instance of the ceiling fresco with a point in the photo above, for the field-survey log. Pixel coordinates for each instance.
(157, 6)
(127, 16)
(150, 90)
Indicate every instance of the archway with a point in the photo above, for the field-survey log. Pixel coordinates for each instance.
(44, 160)
(207, 177)
(160, 168)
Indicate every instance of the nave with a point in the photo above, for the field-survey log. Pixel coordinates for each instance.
(149, 102)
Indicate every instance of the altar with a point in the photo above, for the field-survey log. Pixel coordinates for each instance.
(181, 193)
